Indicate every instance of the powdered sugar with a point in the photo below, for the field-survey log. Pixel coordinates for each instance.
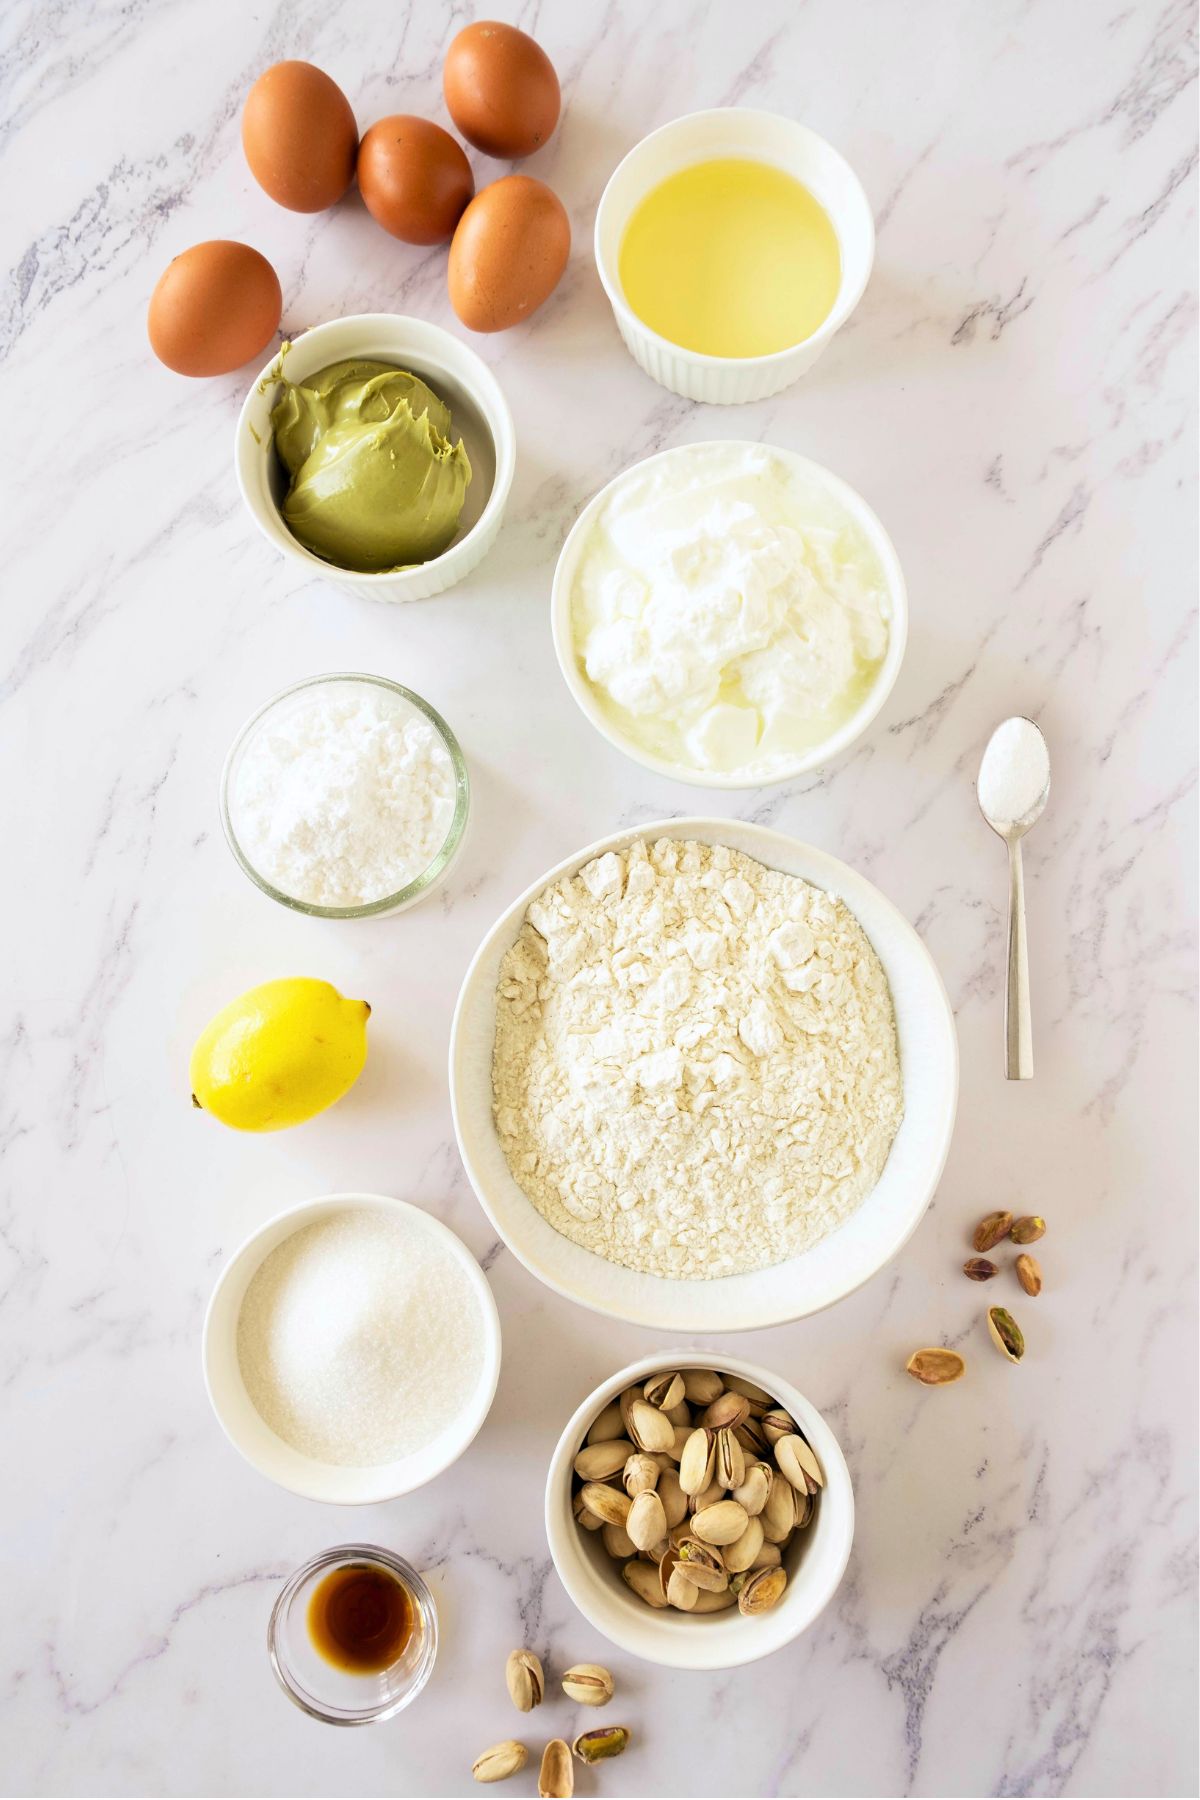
(696, 1069)
(343, 795)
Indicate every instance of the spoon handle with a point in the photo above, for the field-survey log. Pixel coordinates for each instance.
(1018, 1025)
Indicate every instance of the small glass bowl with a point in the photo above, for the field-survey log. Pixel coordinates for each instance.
(334, 1695)
(390, 903)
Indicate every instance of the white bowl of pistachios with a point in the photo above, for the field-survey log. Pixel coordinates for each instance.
(718, 1547)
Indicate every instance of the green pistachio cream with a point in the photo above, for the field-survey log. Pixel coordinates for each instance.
(375, 482)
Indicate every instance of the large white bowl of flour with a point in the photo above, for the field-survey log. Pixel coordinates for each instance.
(788, 1290)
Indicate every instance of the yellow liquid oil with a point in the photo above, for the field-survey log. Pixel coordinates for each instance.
(731, 257)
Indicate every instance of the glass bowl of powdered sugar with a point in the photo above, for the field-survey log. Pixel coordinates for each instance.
(345, 797)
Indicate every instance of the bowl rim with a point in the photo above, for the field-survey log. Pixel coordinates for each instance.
(420, 884)
(848, 295)
(384, 1487)
(837, 1496)
(833, 870)
(486, 391)
(847, 734)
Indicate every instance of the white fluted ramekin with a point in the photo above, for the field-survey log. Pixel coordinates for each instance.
(762, 137)
(479, 415)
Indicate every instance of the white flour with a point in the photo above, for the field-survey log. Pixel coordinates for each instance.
(345, 796)
(696, 1069)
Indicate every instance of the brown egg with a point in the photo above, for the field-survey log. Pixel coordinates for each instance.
(414, 178)
(299, 135)
(216, 306)
(508, 254)
(501, 89)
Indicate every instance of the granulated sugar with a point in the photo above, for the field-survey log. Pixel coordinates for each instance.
(1014, 772)
(360, 1338)
(344, 796)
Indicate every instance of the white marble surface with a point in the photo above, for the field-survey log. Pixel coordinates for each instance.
(1015, 398)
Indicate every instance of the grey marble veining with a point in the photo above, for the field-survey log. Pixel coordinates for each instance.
(1015, 396)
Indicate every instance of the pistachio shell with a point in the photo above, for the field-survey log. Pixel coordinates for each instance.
(608, 1503)
(608, 1424)
(596, 1462)
(556, 1778)
(702, 1386)
(739, 1555)
(526, 1683)
(704, 1565)
(647, 1522)
(642, 1577)
(720, 1524)
(649, 1428)
(500, 1761)
(936, 1366)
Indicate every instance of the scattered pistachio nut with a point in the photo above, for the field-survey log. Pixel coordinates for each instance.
(1028, 1229)
(500, 1761)
(597, 1746)
(526, 1683)
(588, 1684)
(992, 1230)
(556, 1779)
(978, 1268)
(936, 1367)
(1029, 1274)
(1006, 1334)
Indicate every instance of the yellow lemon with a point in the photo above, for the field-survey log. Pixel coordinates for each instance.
(279, 1054)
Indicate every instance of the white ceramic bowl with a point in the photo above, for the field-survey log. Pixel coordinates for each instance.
(848, 733)
(762, 137)
(244, 1426)
(805, 1284)
(815, 1560)
(479, 415)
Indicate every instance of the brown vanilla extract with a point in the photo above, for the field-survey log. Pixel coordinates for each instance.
(360, 1618)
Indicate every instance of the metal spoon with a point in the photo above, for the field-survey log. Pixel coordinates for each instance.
(1014, 785)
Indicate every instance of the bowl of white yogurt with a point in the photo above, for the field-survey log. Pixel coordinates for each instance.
(729, 614)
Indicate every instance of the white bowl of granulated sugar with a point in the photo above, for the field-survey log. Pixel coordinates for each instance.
(351, 1348)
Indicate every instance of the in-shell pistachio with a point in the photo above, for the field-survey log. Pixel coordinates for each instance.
(642, 1577)
(992, 1230)
(588, 1684)
(1006, 1333)
(673, 1497)
(647, 1522)
(769, 1557)
(664, 1391)
(556, 1778)
(727, 1409)
(776, 1424)
(1028, 1230)
(738, 1384)
(703, 1565)
(798, 1464)
(761, 1591)
(607, 1425)
(681, 1590)
(608, 1503)
(720, 1524)
(583, 1517)
(596, 1462)
(779, 1514)
(701, 1386)
(710, 1602)
(979, 1268)
(617, 1542)
(696, 1463)
(751, 1493)
(526, 1682)
(649, 1428)
(598, 1745)
(935, 1366)
(741, 1553)
(641, 1472)
(500, 1761)
(1029, 1274)
(729, 1461)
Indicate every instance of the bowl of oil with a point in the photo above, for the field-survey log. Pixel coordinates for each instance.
(732, 245)
(353, 1635)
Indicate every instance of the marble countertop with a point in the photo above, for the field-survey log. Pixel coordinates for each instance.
(1014, 397)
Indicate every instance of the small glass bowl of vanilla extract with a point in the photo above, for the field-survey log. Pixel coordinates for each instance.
(353, 1635)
